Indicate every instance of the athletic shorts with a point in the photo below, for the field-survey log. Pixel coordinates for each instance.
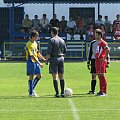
(33, 68)
(93, 69)
(56, 65)
(100, 66)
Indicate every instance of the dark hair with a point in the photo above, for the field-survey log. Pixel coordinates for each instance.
(99, 32)
(99, 16)
(33, 33)
(44, 15)
(54, 30)
(36, 16)
(26, 15)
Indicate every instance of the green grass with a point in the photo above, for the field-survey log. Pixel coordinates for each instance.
(16, 105)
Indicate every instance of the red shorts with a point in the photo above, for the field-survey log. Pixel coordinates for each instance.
(100, 66)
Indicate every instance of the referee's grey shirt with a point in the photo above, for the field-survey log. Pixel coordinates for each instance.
(56, 47)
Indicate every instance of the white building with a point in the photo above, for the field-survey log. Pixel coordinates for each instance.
(63, 9)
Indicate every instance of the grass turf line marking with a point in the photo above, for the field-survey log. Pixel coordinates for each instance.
(7, 110)
(73, 109)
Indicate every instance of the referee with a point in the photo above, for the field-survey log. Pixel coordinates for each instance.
(55, 54)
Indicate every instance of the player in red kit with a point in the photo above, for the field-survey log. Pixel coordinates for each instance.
(102, 52)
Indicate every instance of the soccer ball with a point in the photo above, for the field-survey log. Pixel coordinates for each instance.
(68, 92)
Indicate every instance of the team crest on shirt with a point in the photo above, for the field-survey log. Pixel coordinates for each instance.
(97, 50)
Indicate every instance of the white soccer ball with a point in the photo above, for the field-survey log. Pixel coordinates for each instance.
(68, 92)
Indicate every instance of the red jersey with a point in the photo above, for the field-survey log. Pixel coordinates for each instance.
(101, 49)
(117, 33)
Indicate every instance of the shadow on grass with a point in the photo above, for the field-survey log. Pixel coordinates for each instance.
(83, 95)
(46, 96)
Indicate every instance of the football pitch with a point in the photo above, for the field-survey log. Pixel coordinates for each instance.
(16, 105)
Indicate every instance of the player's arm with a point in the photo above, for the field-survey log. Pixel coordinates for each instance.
(106, 48)
(89, 56)
(33, 57)
(107, 57)
(107, 52)
(41, 57)
(49, 50)
(65, 48)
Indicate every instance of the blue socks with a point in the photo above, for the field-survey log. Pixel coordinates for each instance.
(35, 81)
(32, 84)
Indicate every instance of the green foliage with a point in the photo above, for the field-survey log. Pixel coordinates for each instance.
(16, 105)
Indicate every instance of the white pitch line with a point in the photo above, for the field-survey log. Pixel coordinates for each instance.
(74, 110)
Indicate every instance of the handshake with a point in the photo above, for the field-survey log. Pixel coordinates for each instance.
(88, 65)
(46, 61)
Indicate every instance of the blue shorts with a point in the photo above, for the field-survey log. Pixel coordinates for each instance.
(33, 68)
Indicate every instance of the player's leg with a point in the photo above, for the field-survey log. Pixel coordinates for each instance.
(103, 83)
(61, 74)
(30, 73)
(101, 70)
(93, 82)
(55, 84)
(36, 80)
(38, 73)
(53, 69)
(30, 85)
(62, 84)
(93, 73)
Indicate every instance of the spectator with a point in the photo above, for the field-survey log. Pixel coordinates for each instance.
(116, 21)
(80, 27)
(54, 22)
(103, 30)
(63, 24)
(36, 23)
(26, 24)
(89, 21)
(107, 24)
(44, 23)
(90, 32)
(99, 21)
(71, 27)
(116, 32)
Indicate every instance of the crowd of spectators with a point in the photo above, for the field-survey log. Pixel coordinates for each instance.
(75, 25)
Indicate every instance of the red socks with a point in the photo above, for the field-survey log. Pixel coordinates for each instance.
(103, 84)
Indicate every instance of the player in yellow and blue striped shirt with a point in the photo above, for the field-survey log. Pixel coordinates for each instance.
(33, 64)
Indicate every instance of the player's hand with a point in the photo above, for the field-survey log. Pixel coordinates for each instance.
(41, 65)
(46, 62)
(88, 65)
(101, 59)
(107, 66)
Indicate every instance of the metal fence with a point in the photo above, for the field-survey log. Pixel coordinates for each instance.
(76, 50)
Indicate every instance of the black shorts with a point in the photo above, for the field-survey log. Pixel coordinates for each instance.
(93, 69)
(56, 65)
